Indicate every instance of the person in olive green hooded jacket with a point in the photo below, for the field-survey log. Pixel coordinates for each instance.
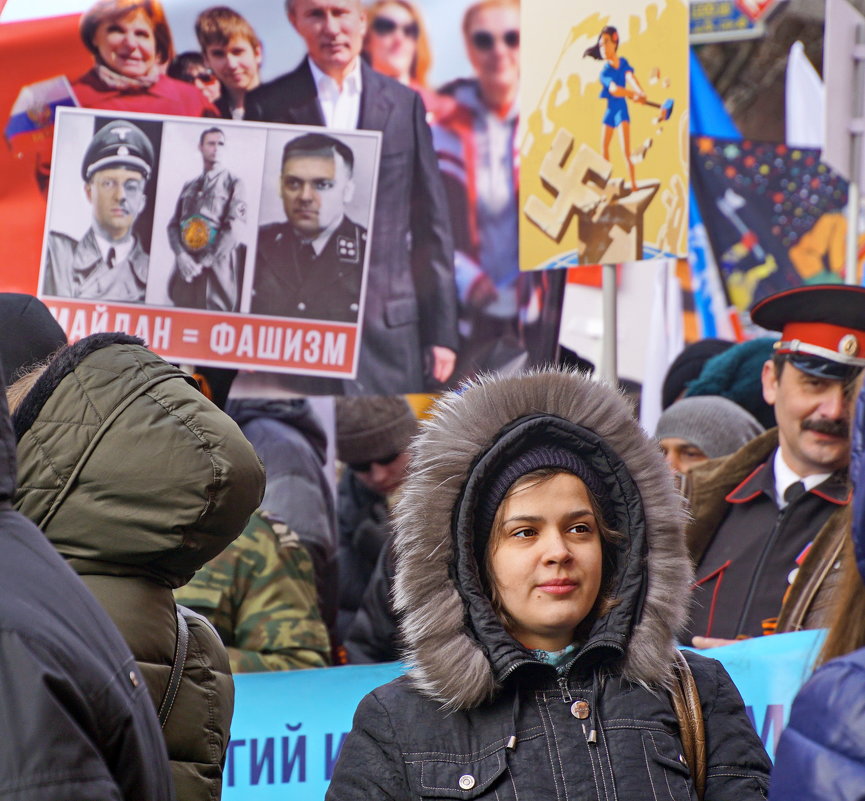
(138, 480)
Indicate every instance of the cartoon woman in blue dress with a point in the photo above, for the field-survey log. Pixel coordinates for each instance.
(615, 76)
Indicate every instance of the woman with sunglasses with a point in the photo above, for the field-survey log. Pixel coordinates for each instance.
(541, 578)
(189, 67)
(396, 45)
(132, 47)
(616, 75)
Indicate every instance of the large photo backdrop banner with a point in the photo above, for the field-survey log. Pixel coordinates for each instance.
(443, 296)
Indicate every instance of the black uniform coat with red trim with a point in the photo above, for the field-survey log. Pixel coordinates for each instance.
(808, 599)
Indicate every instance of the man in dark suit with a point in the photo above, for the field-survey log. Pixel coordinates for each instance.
(409, 336)
(312, 265)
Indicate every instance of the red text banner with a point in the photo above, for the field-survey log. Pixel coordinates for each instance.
(200, 337)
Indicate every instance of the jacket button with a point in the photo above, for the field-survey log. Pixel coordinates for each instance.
(580, 709)
(467, 782)
(133, 678)
(682, 759)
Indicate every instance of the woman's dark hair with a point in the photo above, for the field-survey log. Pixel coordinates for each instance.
(610, 540)
(595, 50)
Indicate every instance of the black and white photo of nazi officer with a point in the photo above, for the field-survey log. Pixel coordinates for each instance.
(311, 266)
(108, 262)
(203, 233)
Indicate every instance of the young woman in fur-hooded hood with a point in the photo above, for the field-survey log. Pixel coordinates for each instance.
(541, 578)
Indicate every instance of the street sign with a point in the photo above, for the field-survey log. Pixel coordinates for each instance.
(721, 21)
(755, 9)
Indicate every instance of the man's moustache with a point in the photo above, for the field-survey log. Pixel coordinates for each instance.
(834, 428)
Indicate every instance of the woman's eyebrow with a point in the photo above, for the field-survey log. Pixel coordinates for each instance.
(540, 518)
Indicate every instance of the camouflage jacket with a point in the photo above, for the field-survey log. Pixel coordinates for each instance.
(260, 595)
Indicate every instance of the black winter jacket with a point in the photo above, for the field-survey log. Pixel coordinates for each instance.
(76, 717)
(479, 716)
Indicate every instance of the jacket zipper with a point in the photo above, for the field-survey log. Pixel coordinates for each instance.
(768, 545)
(566, 693)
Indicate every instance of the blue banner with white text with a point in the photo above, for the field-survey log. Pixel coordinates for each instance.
(288, 727)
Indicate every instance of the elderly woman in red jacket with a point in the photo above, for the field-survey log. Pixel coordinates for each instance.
(131, 44)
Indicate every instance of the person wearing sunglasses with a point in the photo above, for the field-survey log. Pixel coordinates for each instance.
(372, 438)
(396, 45)
(189, 67)
(475, 143)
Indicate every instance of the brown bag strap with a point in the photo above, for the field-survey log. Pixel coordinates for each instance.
(686, 703)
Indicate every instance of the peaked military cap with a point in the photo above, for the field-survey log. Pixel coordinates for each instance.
(118, 144)
(822, 328)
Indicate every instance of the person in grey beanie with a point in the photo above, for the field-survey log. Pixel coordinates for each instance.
(693, 430)
(372, 438)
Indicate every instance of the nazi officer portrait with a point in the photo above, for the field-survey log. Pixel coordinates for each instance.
(310, 264)
(203, 232)
(94, 250)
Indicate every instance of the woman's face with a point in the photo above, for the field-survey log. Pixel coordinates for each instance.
(493, 42)
(546, 561)
(609, 44)
(393, 41)
(127, 45)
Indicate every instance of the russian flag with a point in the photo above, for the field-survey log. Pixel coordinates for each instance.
(31, 120)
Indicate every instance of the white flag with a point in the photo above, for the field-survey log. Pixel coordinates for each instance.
(805, 101)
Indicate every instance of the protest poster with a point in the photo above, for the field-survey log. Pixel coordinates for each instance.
(288, 727)
(603, 148)
(774, 214)
(189, 232)
(478, 306)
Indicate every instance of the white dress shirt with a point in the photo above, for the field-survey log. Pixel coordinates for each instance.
(341, 107)
(121, 249)
(785, 476)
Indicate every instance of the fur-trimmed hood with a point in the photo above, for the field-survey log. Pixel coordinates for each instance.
(458, 651)
(127, 467)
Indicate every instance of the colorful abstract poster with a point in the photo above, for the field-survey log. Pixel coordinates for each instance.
(774, 215)
(603, 147)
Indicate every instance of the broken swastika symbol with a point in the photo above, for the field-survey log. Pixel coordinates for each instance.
(572, 185)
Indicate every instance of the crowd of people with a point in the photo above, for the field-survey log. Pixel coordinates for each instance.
(526, 545)
(531, 553)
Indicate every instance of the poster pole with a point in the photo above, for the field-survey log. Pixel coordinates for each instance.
(851, 260)
(609, 364)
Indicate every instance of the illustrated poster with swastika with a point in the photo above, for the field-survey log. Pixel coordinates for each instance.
(218, 242)
(604, 136)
